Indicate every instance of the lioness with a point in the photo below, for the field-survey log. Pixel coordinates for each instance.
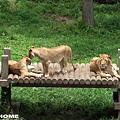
(103, 66)
(50, 55)
(21, 67)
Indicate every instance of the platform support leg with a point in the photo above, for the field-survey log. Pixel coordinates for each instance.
(6, 88)
(119, 102)
(6, 100)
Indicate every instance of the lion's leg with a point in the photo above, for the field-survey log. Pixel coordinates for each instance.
(45, 68)
(64, 69)
(116, 74)
(61, 65)
(102, 74)
(30, 74)
(115, 67)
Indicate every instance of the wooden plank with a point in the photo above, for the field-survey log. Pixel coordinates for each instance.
(35, 65)
(93, 80)
(69, 76)
(24, 80)
(51, 69)
(15, 78)
(87, 74)
(4, 67)
(60, 78)
(37, 81)
(115, 81)
(110, 82)
(32, 80)
(104, 81)
(49, 80)
(56, 71)
(66, 79)
(77, 74)
(43, 80)
(82, 73)
(4, 83)
(40, 67)
(116, 106)
(10, 77)
(7, 51)
(63, 85)
(99, 80)
(54, 74)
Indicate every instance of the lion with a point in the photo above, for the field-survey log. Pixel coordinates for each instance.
(51, 55)
(103, 66)
(21, 68)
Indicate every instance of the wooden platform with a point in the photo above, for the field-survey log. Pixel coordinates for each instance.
(82, 78)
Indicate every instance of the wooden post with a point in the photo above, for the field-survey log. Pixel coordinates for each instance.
(7, 51)
(119, 83)
(119, 59)
(6, 88)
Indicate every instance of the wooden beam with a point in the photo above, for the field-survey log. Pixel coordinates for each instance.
(6, 87)
(117, 106)
(7, 51)
(4, 67)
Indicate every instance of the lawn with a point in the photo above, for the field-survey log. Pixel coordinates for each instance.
(51, 23)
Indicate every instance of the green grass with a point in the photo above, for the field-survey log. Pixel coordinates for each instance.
(24, 24)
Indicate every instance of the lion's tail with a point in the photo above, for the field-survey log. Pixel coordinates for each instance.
(72, 61)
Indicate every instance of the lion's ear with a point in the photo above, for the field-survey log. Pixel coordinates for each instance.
(23, 56)
(110, 57)
(30, 50)
(28, 60)
(101, 55)
(97, 61)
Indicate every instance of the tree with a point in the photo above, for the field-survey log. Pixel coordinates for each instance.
(87, 12)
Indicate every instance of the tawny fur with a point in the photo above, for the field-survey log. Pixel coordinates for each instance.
(21, 68)
(51, 55)
(103, 66)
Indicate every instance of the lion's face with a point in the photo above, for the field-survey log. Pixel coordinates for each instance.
(104, 61)
(27, 59)
(31, 54)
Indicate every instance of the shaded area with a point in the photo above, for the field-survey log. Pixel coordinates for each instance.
(45, 111)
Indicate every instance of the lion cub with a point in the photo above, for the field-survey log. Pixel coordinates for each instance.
(21, 67)
(50, 55)
(103, 66)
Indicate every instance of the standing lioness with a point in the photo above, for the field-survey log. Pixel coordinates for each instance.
(50, 55)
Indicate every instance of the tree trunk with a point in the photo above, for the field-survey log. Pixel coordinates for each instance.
(87, 12)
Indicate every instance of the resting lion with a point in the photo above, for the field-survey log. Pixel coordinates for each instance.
(103, 66)
(50, 55)
(21, 67)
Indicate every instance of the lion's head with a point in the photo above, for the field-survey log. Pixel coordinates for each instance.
(31, 53)
(104, 61)
(26, 59)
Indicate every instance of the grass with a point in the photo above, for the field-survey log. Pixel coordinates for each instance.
(25, 23)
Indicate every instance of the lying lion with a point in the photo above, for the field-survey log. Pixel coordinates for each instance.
(50, 55)
(21, 67)
(103, 66)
